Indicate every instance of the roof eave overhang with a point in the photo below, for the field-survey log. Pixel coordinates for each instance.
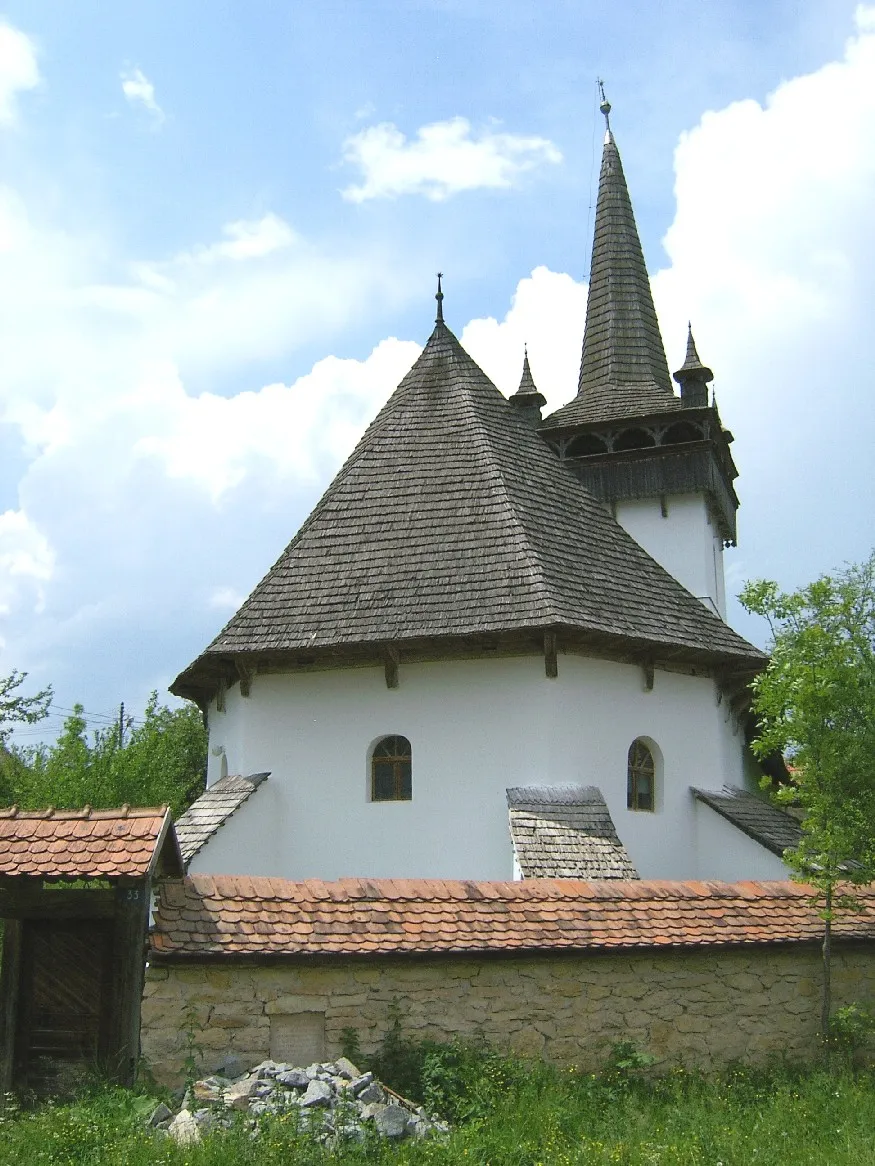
(159, 957)
(672, 414)
(167, 857)
(202, 680)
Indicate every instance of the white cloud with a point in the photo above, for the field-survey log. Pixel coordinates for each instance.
(301, 431)
(251, 239)
(18, 69)
(139, 90)
(145, 508)
(773, 241)
(26, 562)
(444, 159)
(226, 599)
(547, 314)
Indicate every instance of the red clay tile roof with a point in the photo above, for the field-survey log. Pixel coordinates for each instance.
(220, 916)
(70, 844)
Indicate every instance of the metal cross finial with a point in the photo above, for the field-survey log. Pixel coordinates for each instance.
(605, 105)
(440, 300)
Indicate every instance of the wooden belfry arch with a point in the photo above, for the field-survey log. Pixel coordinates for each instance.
(75, 888)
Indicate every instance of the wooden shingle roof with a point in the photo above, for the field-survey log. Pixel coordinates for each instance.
(766, 824)
(565, 832)
(623, 370)
(210, 917)
(452, 518)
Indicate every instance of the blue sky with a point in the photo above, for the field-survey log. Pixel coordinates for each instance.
(219, 227)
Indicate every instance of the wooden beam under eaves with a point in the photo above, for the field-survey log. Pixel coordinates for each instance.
(245, 675)
(392, 659)
(551, 658)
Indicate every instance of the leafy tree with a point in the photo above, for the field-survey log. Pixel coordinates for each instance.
(16, 709)
(159, 760)
(816, 703)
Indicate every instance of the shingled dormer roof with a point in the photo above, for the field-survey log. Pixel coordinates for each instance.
(623, 370)
(452, 518)
(212, 809)
(565, 832)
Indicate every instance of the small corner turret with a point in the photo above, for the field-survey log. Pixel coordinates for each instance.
(527, 399)
(693, 377)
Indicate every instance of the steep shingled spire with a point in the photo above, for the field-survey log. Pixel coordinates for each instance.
(623, 368)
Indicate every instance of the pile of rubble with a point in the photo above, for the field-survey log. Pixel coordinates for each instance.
(333, 1100)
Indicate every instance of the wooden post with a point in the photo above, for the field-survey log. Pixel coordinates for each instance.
(129, 969)
(9, 981)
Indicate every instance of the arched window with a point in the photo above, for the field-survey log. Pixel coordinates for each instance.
(633, 439)
(640, 778)
(585, 445)
(392, 770)
(680, 432)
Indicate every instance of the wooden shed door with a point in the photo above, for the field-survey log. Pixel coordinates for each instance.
(65, 1002)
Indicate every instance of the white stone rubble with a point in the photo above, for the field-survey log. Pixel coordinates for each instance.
(333, 1099)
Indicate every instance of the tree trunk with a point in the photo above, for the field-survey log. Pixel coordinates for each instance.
(826, 998)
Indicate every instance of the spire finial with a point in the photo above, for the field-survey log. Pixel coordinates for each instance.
(605, 108)
(439, 319)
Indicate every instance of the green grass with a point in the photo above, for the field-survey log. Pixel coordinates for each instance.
(515, 1114)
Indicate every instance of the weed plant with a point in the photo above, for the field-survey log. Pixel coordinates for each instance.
(508, 1112)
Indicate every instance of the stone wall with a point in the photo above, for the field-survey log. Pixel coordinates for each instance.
(700, 1009)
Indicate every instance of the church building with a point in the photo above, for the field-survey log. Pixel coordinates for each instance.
(497, 647)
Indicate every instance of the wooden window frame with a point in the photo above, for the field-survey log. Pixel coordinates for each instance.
(640, 764)
(400, 755)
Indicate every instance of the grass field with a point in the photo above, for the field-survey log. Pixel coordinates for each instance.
(509, 1113)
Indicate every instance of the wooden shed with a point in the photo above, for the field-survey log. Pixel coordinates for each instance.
(75, 891)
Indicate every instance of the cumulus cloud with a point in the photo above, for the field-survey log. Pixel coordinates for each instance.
(300, 430)
(250, 239)
(772, 255)
(226, 599)
(26, 562)
(547, 314)
(147, 509)
(139, 90)
(445, 157)
(18, 69)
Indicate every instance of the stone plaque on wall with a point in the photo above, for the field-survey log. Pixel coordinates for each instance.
(298, 1039)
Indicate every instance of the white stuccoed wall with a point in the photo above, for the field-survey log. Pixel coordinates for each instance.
(723, 849)
(684, 541)
(476, 727)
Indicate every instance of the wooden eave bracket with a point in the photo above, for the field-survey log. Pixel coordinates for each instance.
(551, 657)
(647, 669)
(245, 673)
(391, 660)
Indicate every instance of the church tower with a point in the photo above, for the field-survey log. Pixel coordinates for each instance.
(661, 461)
